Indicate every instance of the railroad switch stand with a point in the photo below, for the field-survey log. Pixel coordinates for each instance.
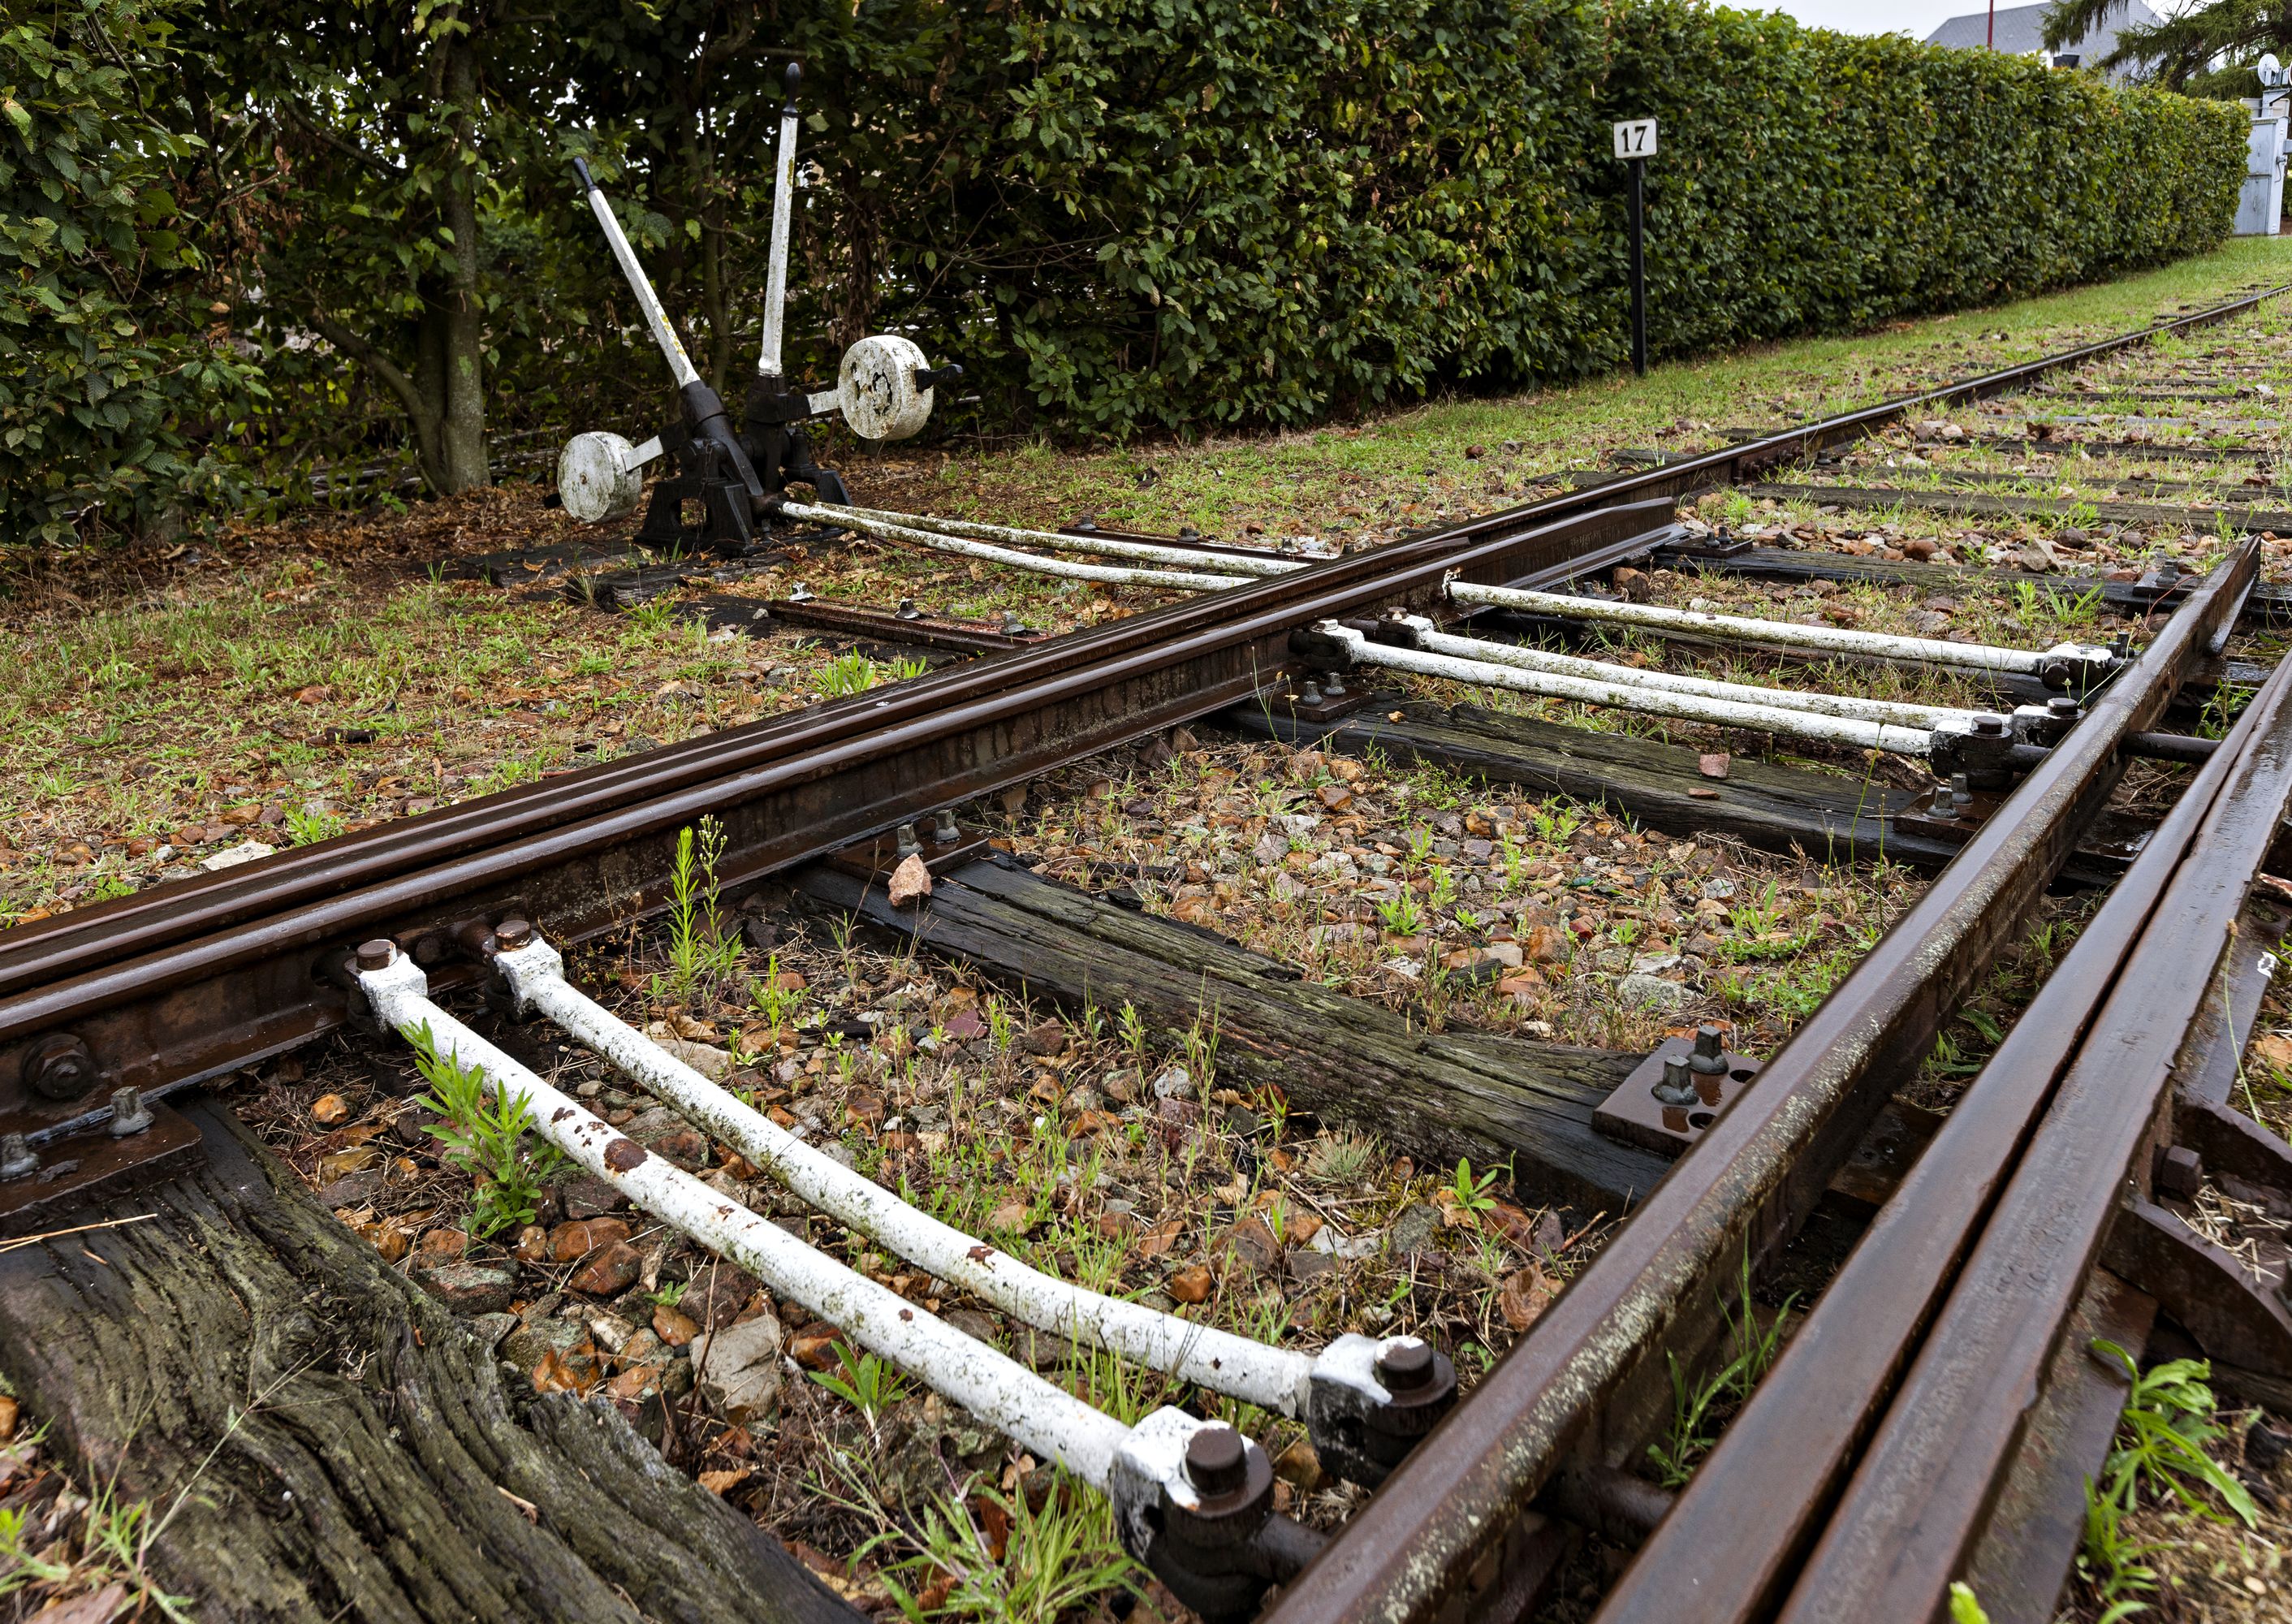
(729, 478)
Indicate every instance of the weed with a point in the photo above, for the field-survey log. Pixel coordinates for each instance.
(1474, 1193)
(1132, 1026)
(309, 824)
(1696, 1409)
(700, 951)
(776, 1003)
(864, 1381)
(1045, 1565)
(114, 1542)
(484, 1137)
(1341, 1157)
(1401, 914)
(2168, 1420)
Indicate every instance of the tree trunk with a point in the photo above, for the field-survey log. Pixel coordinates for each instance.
(463, 416)
(319, 1439)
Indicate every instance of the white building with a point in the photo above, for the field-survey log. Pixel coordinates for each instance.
(2020, 31)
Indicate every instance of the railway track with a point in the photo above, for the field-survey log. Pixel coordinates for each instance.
(1939, 1401)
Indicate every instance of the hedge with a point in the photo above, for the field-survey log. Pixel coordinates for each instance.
(1133, 214)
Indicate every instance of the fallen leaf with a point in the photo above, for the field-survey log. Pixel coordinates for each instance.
(1161, 1238)
(1525, 1296)
(717, 1483)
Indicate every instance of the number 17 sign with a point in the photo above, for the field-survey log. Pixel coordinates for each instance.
(1636, 138)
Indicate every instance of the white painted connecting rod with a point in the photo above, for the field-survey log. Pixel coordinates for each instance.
(1000, 1391)
(1187, 582)
(1102, 546)
(671, 350)
(1625, 696)
(1777, 634)
(1273, 1378)
(1434, 641)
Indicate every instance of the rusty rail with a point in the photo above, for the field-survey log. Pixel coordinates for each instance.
(1588, 1386)
(1792, 1445)
(1911, 1515)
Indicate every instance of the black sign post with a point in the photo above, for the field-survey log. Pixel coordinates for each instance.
(1636, 144)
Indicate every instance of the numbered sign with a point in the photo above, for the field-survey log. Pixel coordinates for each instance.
(1636, 138)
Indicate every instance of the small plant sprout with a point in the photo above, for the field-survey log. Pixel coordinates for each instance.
(700, 951)
(669, 1293)
(1132, 1027)
(777, 1003)
(1402, 915)
(1473, 1192)
(863, 1381)
(484, 1137)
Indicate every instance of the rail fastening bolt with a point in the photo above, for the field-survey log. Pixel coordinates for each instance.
(907, 609)
(1990, 725)
(1406, 1364)
(943, 830)
(1678, 1086)
(1710, 1056)
(129, 1114)
(1334, 686)
(1945, 805)
(513, 934)
(1217, 1461)
(60, 1067)
(2064, 708)
(909, 845)
(1311, 693)
(379, 954)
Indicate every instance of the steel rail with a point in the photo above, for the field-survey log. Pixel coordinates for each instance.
(1587, 1383)
(1911, 1515)
(1789, 1449)
(784, 791)
(51, 950)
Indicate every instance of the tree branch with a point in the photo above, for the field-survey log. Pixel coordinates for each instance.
(393, 378)
(328, 138)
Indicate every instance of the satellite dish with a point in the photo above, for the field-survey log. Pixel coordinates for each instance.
(2271, 71)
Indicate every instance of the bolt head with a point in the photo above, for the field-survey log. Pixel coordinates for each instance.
(1405, 1365)
(513, 934)
(58, 1067)
(1990, 725)
(1217, 1461)
(379, 954)
(2063, 706)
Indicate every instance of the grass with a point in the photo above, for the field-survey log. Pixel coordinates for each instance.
(2168, 1423)
(137, 712)
(486, 1137)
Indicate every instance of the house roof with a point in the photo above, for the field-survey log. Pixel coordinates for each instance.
(2021, 30)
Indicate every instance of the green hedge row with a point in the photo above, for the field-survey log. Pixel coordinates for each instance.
(1125, 213)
